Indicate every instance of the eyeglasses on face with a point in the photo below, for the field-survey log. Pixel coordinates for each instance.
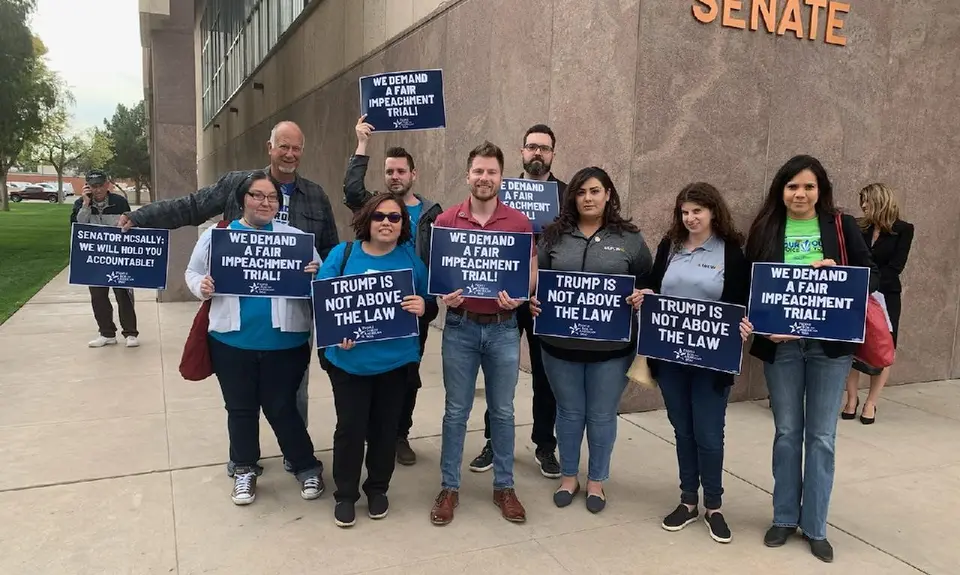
(537, 147)
(392, 217)
(260, 197)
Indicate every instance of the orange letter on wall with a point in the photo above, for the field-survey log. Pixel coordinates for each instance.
(815, 7)
(706, 15)
(791, 19)
(834, 23)
(728, 19)
(768, 8)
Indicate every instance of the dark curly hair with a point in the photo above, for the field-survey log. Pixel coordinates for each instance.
(570, 216)
(707, 196)
(361, 221)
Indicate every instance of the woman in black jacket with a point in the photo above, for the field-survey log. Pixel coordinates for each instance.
(889, 239)
(700, 257)
(806, 377)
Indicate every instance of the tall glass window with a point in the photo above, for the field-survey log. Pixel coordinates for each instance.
(235, 37)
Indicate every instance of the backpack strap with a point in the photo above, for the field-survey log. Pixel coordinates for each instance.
(346, 255)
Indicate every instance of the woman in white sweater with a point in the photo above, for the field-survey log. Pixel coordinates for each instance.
(260, 349)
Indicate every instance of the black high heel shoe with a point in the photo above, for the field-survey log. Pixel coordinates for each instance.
(869, 420)
(845, 415)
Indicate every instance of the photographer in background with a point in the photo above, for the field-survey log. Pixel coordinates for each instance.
(97, 205)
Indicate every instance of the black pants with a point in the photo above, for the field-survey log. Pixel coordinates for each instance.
(368, 409)
(103, 311)
(410, 399)
(544, 403)
(267, 380)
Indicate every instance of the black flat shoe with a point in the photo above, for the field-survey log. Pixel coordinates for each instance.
(596, 503)
(821, 549)
(563, 498)
(845, 415)
(777, 536)
(868, 420)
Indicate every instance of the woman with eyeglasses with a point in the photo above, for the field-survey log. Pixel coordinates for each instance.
(806, 377)
(259, 350)
(370, 379)
(889, 239)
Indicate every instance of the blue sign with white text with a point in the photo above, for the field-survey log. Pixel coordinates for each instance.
(403, 101)
(481, 263)
(818, 303)
(539, 201)
(104, 256)
(258, 263)
(693, 332)
(363, 308)
(584, 305)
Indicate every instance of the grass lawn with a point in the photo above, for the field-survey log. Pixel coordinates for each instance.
(34, 247)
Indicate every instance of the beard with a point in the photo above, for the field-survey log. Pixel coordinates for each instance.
(483, 194)
(536, 168)
(401, 189)
(286, 169)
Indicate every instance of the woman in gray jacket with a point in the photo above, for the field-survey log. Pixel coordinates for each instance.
(588, 377)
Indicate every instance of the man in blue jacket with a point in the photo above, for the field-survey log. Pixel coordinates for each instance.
(399, 175)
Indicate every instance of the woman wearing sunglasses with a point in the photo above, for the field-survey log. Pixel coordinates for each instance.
(370, 380)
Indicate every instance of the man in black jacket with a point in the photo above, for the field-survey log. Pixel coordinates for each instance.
(538, 151)
(400, 173)
(305, 207)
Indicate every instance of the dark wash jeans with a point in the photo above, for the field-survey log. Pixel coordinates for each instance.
(368, 410)
(697, 409)
(806, 392)
(103, 311)
(252, 381)
(544, 401)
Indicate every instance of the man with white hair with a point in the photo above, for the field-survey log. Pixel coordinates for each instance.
(305, 207)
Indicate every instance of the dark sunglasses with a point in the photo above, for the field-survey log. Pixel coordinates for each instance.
(392, 217)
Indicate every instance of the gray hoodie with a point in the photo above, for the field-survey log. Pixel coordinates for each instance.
(606, 252)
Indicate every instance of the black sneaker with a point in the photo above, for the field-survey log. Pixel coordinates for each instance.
(405, 454)
(777, 536)
(680, 518)
(821, 549)
(244, 486)
(311, 487)
(378, 506)
(717, 527)
(549, 466)
(484, 461)
(345, 514)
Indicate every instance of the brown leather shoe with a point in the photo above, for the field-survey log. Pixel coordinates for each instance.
(509, 504)
(446, 502)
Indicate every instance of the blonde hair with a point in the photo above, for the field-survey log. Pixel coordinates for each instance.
(881, 208)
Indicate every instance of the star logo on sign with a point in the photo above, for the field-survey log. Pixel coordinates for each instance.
(794, 328)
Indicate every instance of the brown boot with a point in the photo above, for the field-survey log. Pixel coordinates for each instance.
(442, 512)
(509, 504)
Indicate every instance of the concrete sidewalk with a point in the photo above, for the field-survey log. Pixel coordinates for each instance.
(112, 464)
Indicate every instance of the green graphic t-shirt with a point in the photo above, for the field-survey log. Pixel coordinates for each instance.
(801, 242)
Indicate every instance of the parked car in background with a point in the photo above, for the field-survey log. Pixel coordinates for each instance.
(19, 191)
(52, 187)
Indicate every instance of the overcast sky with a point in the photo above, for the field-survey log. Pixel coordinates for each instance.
(95, 46)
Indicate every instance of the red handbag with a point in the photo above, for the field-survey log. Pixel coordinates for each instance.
(195, 364)
(877, 349)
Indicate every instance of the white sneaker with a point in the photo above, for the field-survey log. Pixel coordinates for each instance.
(132, 341)
(102, 341)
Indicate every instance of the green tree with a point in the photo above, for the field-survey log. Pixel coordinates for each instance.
(127, 132)
(27, 86)
(98, 154)
(53, 145)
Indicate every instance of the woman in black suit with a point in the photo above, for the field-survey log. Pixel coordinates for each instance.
(889, 239)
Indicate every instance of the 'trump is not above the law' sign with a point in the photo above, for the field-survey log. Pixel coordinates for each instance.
(539, 201)
(106, 257)
(258, 263)
(481, 263)
(820, 303)
(692, 332)
(583, 305)
(403, 101)
(363, 308)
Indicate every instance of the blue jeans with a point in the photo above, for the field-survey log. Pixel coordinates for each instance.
(588, 395)
(697, 409)
(468, 346)
(806, 390)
